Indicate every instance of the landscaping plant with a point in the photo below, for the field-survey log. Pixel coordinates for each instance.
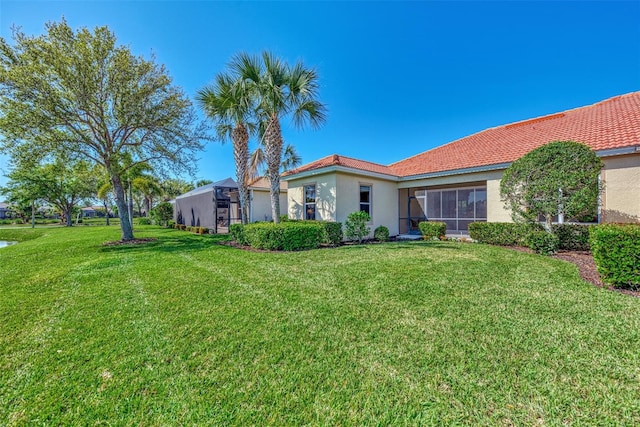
(356, 226)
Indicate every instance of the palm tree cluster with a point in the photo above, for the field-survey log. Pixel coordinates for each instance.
(252, 97)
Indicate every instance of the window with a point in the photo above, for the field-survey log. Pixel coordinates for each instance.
(309, 202)
(365, 199)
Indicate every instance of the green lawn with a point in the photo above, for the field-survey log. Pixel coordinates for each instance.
(183, 331)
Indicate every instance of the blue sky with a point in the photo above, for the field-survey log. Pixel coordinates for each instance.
(398, 78)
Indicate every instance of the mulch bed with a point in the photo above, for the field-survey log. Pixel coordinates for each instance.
(586, 266)
(130, 242)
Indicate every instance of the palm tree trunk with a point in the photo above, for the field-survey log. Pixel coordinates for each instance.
(240, 138)
(273, 153)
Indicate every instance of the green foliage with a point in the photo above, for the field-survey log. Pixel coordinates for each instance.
(332, 233)
(572, 237)
(162, 213)
(287, 236)
(542, 242)
(284, 218)
(81, 94)
(501, 233)
(237, 233)
(356, 226)
(144, 221)
(560, 176)
(432, 229)
(616, 251)
(381, 233)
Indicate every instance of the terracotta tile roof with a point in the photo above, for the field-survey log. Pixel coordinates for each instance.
(336, 160)
(612, 123)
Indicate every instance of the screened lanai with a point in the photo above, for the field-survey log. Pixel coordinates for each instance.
(214, 206)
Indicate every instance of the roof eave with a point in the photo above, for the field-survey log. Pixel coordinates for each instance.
(338, 168)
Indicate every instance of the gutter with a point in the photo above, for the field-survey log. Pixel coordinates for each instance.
(344, 169)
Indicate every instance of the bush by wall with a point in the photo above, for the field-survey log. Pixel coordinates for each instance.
(381, 233)
(542, 242)
(285, 236)
(332, 233)
(356, 226)
(572, 237)
(144, 221)
(432, 229)
(616, 251)
(501, 233)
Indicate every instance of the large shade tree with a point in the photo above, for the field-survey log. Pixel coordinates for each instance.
(229, 103)
(79, 93)
(560, 178)
(281, 91)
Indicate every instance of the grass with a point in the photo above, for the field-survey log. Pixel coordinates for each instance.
(183, 331)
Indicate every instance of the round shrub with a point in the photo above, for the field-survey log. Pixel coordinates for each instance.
(144, 221)
(543, 242)
(356, 226)
(381, 233)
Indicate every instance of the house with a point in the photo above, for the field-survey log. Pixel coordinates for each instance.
(459, 182)
(4, 210)
(217, 206)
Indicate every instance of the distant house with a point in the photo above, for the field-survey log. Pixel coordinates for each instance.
(216, 205)
(459, 183)
(89, 212)
(4, 209)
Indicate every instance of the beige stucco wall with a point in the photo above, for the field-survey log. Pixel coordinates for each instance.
(496, 211)
(325, 196)
(261, 205)
(620, 200)
(384, 200)
(338, 194)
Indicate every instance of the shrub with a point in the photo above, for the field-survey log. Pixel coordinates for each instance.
(237, 233)
(616, 251)
(162, 213)
(543, 242)
(501, 233)
(284, 218)
(573, 237)
(286, 236)
(381, 233)
(356, 226)
(144, 221)
(171, 224)
(332, 233)
(432, 229)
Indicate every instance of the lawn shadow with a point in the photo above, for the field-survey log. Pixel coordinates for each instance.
(172, 242)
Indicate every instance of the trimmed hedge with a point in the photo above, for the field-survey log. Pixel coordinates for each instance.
(285, 236)
(572, 237)
(616, 251)
(331, 232)
(501, 233)
(237, 233)
(431, 229)
(543, 242)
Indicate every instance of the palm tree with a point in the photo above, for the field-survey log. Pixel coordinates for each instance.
(229, 103)
(280, 91)
(257, 163)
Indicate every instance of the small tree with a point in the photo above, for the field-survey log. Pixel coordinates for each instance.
(162, 213)
(559, 178)
(356, 226)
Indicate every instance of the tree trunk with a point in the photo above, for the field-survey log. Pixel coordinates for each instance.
(147, 205)
(130, 206)
(106, 210)
(123, 212)
(67, 212)
(240, 138)
(273, 152)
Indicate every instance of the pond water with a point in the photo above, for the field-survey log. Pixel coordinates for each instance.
(4, 243)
